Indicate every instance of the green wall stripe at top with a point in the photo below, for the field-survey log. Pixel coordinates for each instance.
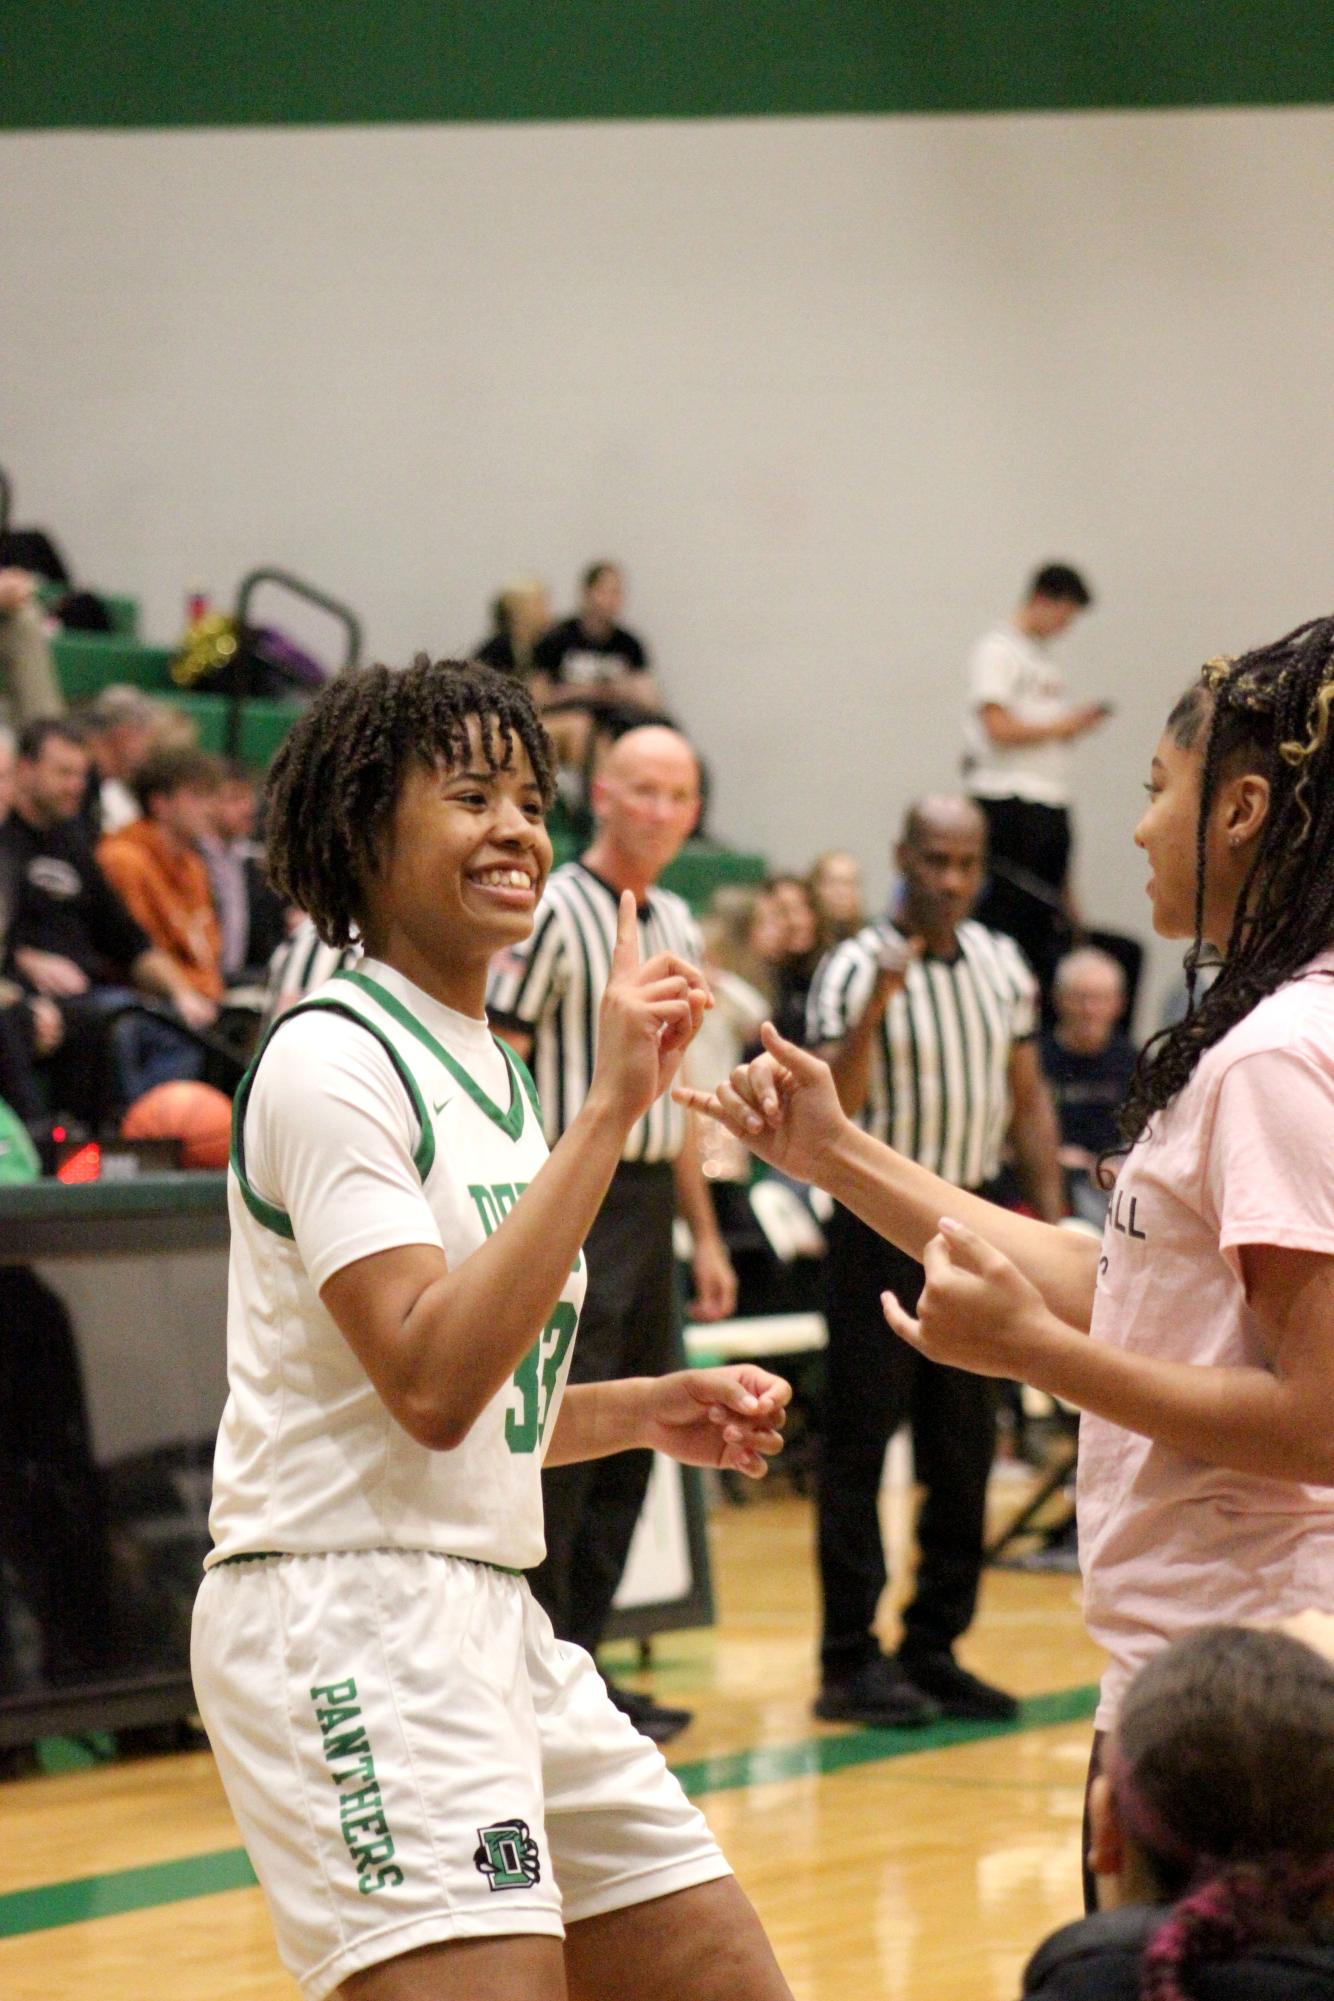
(47, 1906)
(298, 62)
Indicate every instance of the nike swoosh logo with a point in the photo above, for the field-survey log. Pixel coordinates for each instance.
(441, 1106)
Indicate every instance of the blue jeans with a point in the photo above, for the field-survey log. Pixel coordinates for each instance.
(146, 1049)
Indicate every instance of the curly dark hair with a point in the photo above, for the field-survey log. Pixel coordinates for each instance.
(336, 779)
(1269, 712)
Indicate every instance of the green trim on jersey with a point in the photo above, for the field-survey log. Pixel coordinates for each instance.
(423, 1158)
(526, 1077)
(510, 1122)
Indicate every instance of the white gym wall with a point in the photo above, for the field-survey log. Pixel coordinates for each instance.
(827, 387)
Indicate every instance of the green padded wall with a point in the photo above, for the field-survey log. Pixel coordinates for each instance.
(257, 62)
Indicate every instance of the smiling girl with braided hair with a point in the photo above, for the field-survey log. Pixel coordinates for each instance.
(1206, 1459)
(439, 1798)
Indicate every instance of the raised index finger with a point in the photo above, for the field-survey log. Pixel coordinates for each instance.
(625, 952)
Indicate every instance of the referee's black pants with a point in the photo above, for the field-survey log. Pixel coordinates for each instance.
(874, 1383)
(629, 1326)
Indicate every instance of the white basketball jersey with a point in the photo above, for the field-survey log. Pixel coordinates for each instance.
(309, 1458)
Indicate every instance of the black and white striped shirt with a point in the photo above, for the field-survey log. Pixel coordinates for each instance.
(939, 1088)
(552, 986)
(300, 964)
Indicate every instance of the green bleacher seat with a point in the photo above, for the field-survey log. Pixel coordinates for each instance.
(87, 662)
(699, 869)
(124, 613)
(264, 724)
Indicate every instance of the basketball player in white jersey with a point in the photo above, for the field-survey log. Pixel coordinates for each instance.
(438, 1797)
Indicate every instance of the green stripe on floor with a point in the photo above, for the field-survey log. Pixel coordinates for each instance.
(49, 1905)
(819, 1756)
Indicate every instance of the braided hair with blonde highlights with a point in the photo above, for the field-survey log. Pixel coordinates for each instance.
(1267, 711)
(336, 779)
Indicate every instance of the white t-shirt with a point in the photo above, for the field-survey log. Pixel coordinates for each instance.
(338, 1162)
(1009, 669)
(1244, 1155)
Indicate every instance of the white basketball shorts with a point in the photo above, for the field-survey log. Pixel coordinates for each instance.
(412, 1756)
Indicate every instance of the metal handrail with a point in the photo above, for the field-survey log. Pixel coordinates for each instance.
(245, 592)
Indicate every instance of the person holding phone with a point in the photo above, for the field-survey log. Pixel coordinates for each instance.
(1018, 733)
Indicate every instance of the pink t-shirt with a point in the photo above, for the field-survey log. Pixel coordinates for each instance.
(1244, 1155)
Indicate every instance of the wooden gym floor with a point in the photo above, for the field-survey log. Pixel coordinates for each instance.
(919, 1866)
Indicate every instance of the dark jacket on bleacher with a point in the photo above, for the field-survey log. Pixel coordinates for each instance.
(1097, 1959)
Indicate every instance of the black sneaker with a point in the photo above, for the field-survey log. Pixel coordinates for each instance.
(958, 1692)
(655, 1720)
(880, 1696)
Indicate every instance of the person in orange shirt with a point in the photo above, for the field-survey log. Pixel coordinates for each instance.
(158, 869)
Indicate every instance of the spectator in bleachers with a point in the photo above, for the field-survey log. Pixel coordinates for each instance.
(157, 866)
(8, 883)
(729, 1032)
(835, 883)
(738, 980)
(30, 1025)
(590, 666)
(251, 916)
(72, 940)
(119, 728)
(28, 680)
(591, 650)
(520, 614)
(785, 937)
(1087, 1062)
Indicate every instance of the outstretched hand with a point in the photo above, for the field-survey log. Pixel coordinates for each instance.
(650, 1011)
(977, 1310)
(782, 1104)
(731, 1418)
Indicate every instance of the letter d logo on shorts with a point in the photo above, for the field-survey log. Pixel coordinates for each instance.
(507, 1855)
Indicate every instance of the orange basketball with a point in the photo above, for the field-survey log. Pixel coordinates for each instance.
(195, 1114)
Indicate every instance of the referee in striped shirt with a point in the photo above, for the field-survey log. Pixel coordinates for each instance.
(544, 997)
(929, 1030)
(300, 964)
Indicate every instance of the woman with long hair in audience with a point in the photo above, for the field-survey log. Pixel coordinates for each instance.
(1198, 1336)
(835, 885)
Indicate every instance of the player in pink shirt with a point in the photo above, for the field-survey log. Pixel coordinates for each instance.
(1198, 1336)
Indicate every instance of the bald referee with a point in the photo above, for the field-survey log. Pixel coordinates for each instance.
(929, 1029)
(544, 998)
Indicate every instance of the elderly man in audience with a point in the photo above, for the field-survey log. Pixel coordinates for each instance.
(119, 728)
(1087, 1061)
